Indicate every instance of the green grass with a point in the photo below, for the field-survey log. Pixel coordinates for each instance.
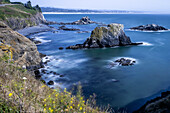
(18, 11)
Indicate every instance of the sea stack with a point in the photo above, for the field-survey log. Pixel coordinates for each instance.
(110, 36)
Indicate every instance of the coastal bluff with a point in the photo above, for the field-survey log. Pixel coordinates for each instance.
(25, 52)
(18, 16)
(110, 36)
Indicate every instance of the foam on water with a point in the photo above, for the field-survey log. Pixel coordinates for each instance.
(41, 39)
(145, 44)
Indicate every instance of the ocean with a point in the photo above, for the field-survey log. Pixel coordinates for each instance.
(91, 67)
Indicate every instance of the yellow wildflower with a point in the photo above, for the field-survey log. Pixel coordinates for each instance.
(43, 86)
(44, 100)
(71, 107)
(44, 105)
(44, 109)
(71, 101)
(10, 94)
(81, 108)
(53, 102)
(51, 110)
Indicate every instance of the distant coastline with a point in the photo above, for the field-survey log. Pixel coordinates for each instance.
(90, 13)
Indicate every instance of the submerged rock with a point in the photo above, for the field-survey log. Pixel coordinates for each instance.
(112, 35)
(83, 21)
(149, 27)
(50, 82)
(122, 62)
(68, 29)
(60, 48)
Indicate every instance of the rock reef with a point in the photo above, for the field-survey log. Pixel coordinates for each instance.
(149, 27)
(110, 36)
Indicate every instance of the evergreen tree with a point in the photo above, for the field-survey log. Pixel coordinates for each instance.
(28, 5)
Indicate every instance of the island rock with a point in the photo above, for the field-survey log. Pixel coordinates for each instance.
(149, 27)
(112, 35)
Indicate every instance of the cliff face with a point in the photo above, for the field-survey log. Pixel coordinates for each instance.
(24, 51)
(16, 23)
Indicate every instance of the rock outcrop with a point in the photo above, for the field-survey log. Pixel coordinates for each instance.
(158, 105)
(25, 51)
(83, 21)
(112, 35)
(149, 27)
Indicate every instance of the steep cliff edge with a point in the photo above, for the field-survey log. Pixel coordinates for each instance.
(24, 51)
(17, 16)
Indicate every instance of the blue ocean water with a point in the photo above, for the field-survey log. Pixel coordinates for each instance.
(137, 83)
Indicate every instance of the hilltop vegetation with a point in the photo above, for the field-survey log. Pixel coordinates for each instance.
(18, 10)
(4, 1)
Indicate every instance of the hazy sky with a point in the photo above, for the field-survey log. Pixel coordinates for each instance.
(139, 5)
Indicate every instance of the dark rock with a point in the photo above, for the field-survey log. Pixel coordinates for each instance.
(36, 72)
(37, 76)
(50, 82)
(55, 73)
(44, 71)
(68, 29)
(42, 55)
(112, 35)
(125, 62)
(61, 75)
(61, 48)
(149, 27)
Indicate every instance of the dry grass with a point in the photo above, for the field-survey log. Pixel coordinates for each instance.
(20, 92)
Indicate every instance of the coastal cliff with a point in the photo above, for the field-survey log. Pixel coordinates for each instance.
(24, 51)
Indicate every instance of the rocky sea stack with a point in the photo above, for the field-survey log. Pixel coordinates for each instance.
(83, 21)
(149, 27)
(110, 36)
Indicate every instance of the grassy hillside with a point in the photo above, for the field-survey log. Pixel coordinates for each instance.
(17, 10)
(20, 92)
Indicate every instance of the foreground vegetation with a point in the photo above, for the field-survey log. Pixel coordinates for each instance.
(21, 92)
